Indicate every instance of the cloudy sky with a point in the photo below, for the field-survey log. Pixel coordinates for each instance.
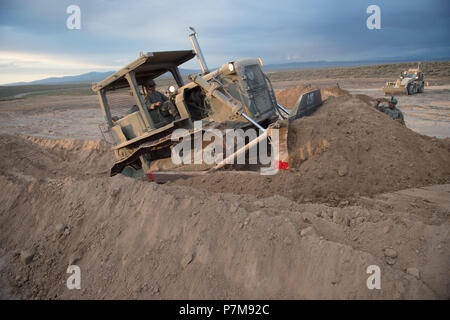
(35, 42)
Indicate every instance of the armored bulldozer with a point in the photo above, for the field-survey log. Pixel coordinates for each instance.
(237, 95)
(409, 82)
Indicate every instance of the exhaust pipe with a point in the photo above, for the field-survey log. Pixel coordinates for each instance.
(198, 51)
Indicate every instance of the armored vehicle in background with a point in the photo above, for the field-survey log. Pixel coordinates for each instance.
(409, 82)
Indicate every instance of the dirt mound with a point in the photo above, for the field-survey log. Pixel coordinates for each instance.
(71, 145)
(288, 97)
(333, 92)
(347, 148)
(351, 147)
(48, 158)
(134, 239)
(242, 236)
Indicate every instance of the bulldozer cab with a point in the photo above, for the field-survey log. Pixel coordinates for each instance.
(140, 121)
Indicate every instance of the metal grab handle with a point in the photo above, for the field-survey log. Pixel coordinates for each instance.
(256, 124)
(283, 108)
(228, 159)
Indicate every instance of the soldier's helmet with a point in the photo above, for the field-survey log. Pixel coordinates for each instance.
(149, 83)
(393, 101)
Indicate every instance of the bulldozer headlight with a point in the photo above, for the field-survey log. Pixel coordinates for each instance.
(172, 89)
(231, 67)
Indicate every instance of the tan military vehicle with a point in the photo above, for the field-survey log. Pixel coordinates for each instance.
(238, 95)
(409, 82)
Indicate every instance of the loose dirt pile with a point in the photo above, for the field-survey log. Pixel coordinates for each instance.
(346, 149)
(47, 158)
(135, 239)
(288, 97)
(230, 235)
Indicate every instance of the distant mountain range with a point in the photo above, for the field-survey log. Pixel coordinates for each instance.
(82, 78)
(332, 64)
(91, 77)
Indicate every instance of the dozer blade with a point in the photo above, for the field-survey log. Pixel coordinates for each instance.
(392, 91)
(306, 105)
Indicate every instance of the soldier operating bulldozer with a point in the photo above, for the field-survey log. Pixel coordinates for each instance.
(158, 102)
(158, 105)
(152, 97)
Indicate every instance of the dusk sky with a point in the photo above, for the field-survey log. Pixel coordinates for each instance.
(35, 42)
